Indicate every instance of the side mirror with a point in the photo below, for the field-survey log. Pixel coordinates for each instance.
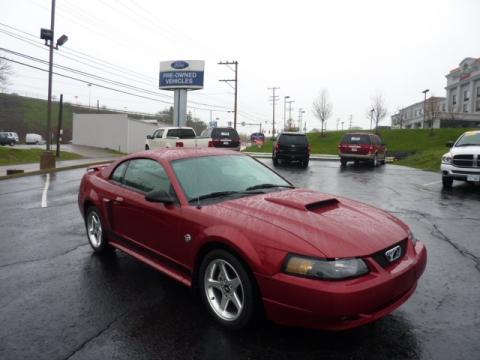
(160, 196)
(449, 144)
(149, 137)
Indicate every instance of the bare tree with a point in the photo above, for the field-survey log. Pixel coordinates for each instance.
(379, 109)
(5, 72)
(398, 118)
(322, 108)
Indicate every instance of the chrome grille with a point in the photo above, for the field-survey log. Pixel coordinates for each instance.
(463, 160)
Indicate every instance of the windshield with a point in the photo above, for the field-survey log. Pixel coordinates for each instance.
(356, 139)
(471, 138)
(292, 139)
(229, 174)
(220, 133)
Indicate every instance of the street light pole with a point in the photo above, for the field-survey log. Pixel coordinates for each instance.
(50, 73)
(285, 111)
(290, 112)
(371, 117)
(424, 104)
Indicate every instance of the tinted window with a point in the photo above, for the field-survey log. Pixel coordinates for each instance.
(356, 139)
(146, 175)
(221, 133)
(181, 133)
(119, 172)
(292, 139)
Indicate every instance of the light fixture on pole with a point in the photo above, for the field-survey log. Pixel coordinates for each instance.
(424, 104)
(47, 159)
(285, 111)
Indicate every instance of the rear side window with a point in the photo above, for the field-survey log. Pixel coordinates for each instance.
(181, 133)
(356, 139)
(222, 133)
(119, 172)
(291, 139)
(146, 175)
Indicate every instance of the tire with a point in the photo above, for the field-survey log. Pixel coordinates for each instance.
(274, 160)
(304, 163)
(447, 182)
(12, 143)
(227, 290)
(375, 161)
(343, 162)
(95, 234)
(147, 147)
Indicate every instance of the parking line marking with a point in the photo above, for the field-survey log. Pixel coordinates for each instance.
(45, 189)
(432, 183)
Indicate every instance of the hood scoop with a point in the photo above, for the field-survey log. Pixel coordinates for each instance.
(316, 206)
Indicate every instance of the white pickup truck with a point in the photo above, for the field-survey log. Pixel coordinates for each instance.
(170, 137)
(462, 162)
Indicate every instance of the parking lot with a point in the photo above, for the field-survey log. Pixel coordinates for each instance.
(60, 301)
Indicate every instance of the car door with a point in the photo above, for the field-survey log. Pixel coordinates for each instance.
(154, 226)
(157, 138)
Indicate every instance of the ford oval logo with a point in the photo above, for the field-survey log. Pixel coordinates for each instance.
(179, 65)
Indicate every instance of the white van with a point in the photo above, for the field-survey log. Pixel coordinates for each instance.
(34, 139)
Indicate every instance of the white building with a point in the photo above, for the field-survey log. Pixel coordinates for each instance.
(112, 131)
(460, 107)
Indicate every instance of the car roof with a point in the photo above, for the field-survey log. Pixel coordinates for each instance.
(292, 133)
(170, 154)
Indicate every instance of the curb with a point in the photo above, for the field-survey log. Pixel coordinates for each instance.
(40, 172)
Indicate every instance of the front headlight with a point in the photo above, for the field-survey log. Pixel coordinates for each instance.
(447, 159)
(325, 269)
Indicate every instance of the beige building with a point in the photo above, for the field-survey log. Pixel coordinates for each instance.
(460, 107)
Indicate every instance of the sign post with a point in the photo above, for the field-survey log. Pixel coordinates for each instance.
(181, 76)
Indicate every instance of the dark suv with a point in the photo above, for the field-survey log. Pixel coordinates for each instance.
(223, 137)
(362, 147)
(291, 146)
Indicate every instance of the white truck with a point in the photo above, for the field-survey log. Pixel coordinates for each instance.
(171, 137)
(462, 162)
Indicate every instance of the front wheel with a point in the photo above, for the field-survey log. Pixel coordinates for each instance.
(147, 147)
(95, 233)
(227, 289)
(447, 182)
(343, 162)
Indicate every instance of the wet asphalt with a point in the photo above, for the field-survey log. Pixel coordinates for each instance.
(60, 301)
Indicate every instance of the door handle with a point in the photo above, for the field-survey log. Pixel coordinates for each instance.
(118, 200)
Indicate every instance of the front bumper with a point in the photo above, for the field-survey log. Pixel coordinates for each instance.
(340, 305)
(459, 173)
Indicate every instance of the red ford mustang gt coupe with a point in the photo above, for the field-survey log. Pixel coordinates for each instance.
(251, 242)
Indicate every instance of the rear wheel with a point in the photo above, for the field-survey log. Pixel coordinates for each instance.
(304, 163)
(275, 160)
(343, 162)
(447, 182)
(375, 161)
(95, 233)
(227, 290)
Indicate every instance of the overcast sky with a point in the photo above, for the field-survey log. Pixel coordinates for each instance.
(354, 49)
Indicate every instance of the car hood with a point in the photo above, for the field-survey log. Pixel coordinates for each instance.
(337, 227)
(465, 150)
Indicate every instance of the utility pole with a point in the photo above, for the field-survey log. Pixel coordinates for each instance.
(371, 117)
(300, 118)
(50, 73)
(342, 125)
(424, 105)
(338, 121)
(274, 99)
(59, 128)
(351, 117)
(228, 81)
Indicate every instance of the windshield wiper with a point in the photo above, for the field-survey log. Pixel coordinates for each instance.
(268, 186)
(213, 195)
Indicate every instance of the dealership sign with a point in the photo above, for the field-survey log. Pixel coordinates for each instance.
(181, 74)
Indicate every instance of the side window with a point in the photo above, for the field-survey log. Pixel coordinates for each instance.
(160, 133)
(119, 171)
(155, 134)
(147, 175)
(173, 133)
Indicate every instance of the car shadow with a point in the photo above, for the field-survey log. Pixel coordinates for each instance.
(160, 316)
(461, 190)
